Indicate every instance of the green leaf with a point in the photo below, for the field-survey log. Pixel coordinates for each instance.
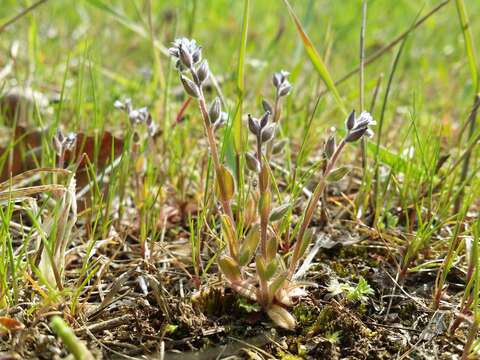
(271, 268)
(279, 212)
(338, 174)
(278, 282)
(265, 271)
(230, 269)
(272, 247)
(315, 58)
(250, 245)
(307, 239)
(229, 234)
(264, 204)
(261, 268)
(281, 317)
(237, 119)
(249, 307)
(226, 183)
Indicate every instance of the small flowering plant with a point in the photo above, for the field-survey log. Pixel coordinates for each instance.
(253, 263)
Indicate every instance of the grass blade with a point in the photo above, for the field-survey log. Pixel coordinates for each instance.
(316, 59)
(379, 53)
(237, 121)
(469, 44)
(126, 22)
(472, 64)
(236, 131)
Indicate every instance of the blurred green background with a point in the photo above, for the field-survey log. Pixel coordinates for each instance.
(114, 38)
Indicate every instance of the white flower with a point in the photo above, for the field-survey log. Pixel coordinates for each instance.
(359, 127)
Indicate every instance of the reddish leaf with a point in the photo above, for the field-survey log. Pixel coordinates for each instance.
(10, 324)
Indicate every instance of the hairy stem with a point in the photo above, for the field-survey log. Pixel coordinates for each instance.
(312, 205)
(275, 119)
(263, 189)
(227, 208)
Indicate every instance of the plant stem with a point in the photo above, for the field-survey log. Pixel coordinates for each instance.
(78, 349)
(227, 208)
(275, 119)
(261, 185)
(470, 339)
(312, 205)
(264, 213)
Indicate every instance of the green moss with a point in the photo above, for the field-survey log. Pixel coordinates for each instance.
(362, 309)
(325, 320)
(291, 357)
(284, 356)
(305, 314)
(339, 269)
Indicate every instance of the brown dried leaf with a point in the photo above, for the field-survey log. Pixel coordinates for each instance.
(10, 324)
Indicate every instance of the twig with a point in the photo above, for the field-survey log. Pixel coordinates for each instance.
(105, 325)
(372, 58)
(20, 15)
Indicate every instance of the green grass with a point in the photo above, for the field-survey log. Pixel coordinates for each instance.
(87, 54)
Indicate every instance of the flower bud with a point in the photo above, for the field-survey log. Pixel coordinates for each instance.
(134, 116)
(277, 79)
(185, 56)
(266, 106)
(203, 72)
(268, 132)
(278, 147)
(330, 146)
(179, 66)
(197, 55)
(356, 134)
(190, 87)
(284, 89)
(70, 141)
(173, 51)
(253, 125)
(350, 122)
(264, 119)
(252, 163)
(215, 110)
(219, 123)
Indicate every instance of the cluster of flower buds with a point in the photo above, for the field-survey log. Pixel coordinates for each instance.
(281, 83)
(136, 116)
(261, 128)
(358, 127)
(217, 117)
(189, 55)
(264, 132)
(63, 142)
(278, 146)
